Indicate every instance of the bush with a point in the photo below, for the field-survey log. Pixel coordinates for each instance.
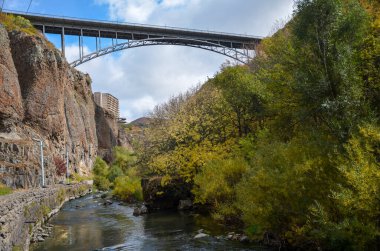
(17, 23)
(101, 183)
(100, 167)
(4, 190)
(79, 178)
(124, 158)
(114, 172)
(128, 188)
(351, 223)
(215, 185)
(60, 166)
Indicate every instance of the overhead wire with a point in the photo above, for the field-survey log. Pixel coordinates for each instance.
(30, 3)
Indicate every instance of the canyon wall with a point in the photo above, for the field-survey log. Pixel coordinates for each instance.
(43, 98)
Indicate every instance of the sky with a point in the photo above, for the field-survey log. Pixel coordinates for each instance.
(144, 77)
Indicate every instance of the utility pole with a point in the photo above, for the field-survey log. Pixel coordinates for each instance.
(42, 160)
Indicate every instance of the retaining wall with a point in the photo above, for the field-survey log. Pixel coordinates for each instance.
(21, 213)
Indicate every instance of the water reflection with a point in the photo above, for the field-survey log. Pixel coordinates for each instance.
(86, 224)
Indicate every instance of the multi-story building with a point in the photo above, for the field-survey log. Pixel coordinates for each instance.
(108, 102)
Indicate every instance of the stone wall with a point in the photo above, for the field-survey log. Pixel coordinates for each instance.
(23, 213)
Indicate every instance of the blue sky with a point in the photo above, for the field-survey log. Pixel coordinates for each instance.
(144, 77)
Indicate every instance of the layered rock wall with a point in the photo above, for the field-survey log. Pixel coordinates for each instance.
(42, 97)
(107, 130)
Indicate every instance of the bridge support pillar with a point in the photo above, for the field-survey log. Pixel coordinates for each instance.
(63, 41)
(100, 41)
(81, 44)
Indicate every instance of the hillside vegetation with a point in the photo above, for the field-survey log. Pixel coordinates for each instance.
(17, 23)
(288, 146)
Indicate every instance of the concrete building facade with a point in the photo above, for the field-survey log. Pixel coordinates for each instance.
(108, 102)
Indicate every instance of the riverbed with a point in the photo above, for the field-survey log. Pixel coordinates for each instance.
(88, 224)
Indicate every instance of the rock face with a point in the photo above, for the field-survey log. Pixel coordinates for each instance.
(10, 101)
(107, 130)
(42, 97)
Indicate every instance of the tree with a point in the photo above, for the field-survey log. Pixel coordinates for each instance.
(237, 85)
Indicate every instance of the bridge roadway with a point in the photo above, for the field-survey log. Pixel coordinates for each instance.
(234, 45)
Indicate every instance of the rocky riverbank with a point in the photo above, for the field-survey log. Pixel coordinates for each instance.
(23, 213)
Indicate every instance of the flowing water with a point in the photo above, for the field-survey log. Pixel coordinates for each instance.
(87, 224)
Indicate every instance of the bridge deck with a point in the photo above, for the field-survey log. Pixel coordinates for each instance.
(129, 31)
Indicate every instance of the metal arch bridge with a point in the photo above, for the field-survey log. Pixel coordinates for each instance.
(129, 35)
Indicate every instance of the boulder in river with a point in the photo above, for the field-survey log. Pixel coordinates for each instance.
(140, 210)
(200, 235)
(244, 238)
(158, 196)
(185, 204)
(107, 202)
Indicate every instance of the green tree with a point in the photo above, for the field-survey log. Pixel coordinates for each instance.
(100, 167)
(123, 158)
(243, 96)
(114, 172)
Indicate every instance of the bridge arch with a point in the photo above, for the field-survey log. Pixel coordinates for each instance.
(238, 55)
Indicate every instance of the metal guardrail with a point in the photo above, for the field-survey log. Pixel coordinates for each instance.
(68, 18)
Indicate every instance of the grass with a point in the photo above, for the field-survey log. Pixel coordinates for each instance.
(4, 190)
(77, 178)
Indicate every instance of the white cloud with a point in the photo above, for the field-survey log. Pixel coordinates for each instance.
(130, 10)
(173, 3)
(146, 76)
(141, 78)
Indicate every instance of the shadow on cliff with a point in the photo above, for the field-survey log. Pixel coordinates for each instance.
(106, 130)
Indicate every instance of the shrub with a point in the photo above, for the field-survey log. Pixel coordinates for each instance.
(79, 178)
(215, 185)
(60, 166)
(101, 183)
(100, 167)
(128, 188)
(4, 190)
(124, 158)
(351, 223)
(17, 23)
(114, 172)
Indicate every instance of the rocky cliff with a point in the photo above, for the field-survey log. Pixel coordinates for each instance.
(42, 97)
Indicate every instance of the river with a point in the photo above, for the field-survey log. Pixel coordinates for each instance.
(87, 224)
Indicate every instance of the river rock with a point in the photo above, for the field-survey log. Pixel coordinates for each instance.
(140, 210)
(107, 202)
(200, 235)
(244, 238)
(185, 204)
(88, 182)
(44, 235)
